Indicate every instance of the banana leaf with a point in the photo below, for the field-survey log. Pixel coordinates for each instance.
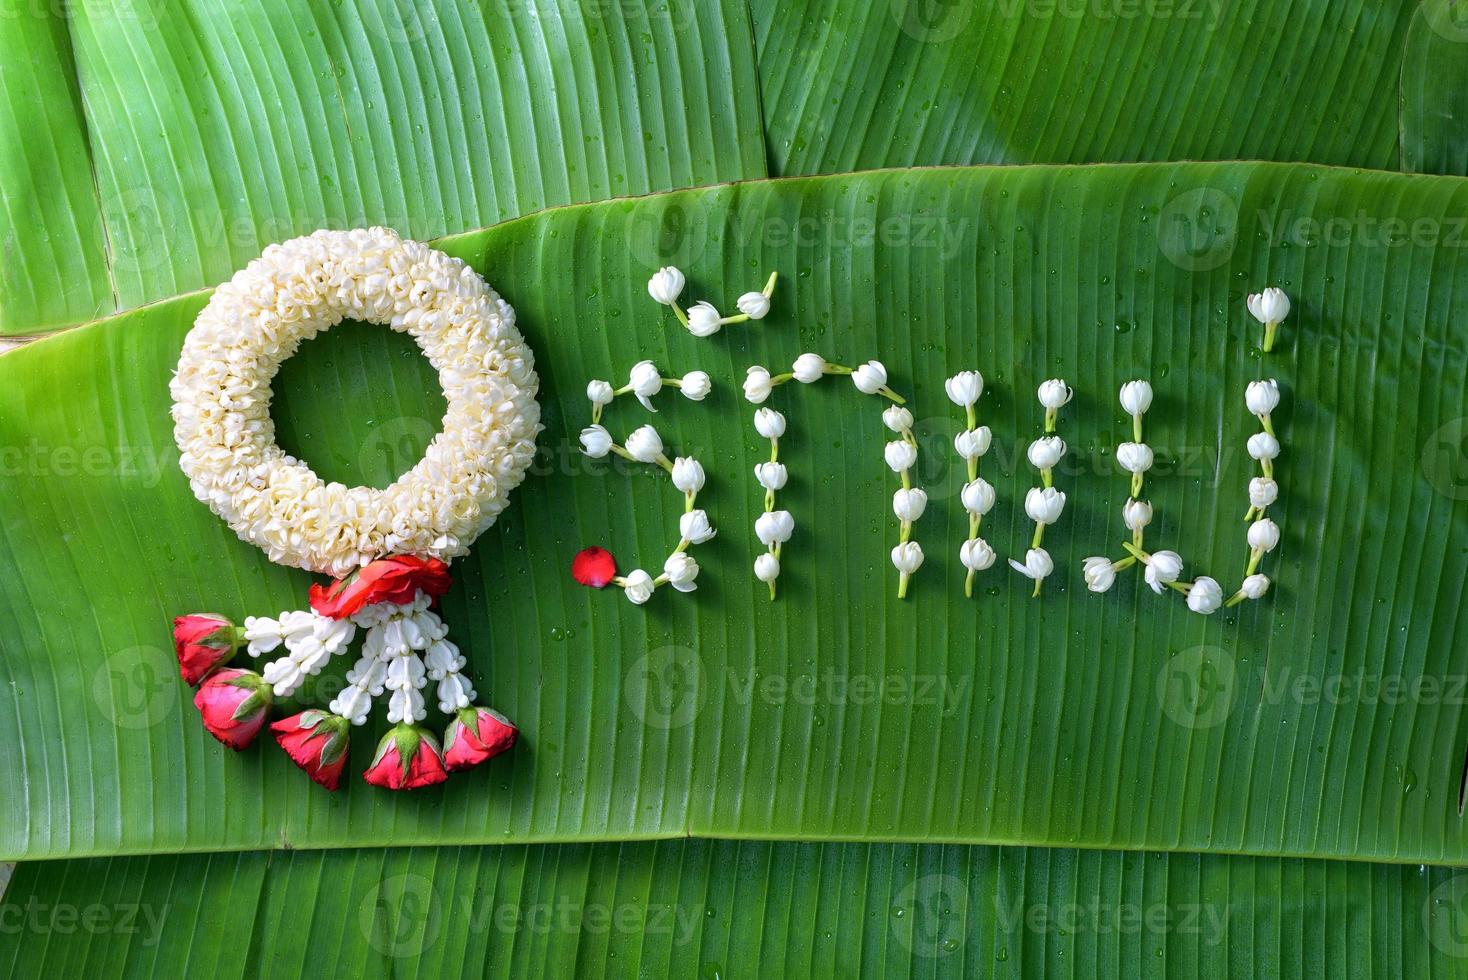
(1325, 719)
(731, 908)
(1435, 90)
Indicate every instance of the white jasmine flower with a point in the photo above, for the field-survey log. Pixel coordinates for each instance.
(976, 555)
(1100, 574)
(1137, 514)
(769, 423)
(703, 319)
(973, 443)
(897, 418)
(870, 377)
(645, 445)
(907, 557)
(645, 381)
(1037, 564)
(754, 305)
(1044, 506)
(900, 455)
(596, 441)
(1270, 306)
(909, 503)
(681, 570)
(1134, 457)
(666, 285)
(771, 476)
(599, 393)
(964, 388)
(638, 585)
(1262, 445)
(1162, 568)
(1263, 535)
(757, 385)
(1262, 492)
(774, 527)
(1206, 596)
(977, 496)
(1054, 393)
(809, 368)
(1262, 397)
(1136, 397)
(696, 385)
(688, 474)
(1255, 586)
(767, 568)
(694, 527)
(1046, 451)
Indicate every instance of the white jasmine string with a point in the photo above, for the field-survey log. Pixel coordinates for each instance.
(1044, 504)
(964, 390)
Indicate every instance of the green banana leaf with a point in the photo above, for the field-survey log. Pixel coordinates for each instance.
(914, 82)
(1325, 719)
(212, 129)
(731, 909)
(1435, 90)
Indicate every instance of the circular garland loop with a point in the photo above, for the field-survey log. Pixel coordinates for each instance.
(387, 548)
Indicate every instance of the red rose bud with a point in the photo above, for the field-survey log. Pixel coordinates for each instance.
(317, 742)
(234, 704)
(397, 579)
(474, 735)
(594, 567)
(203, 641)
(407, 758)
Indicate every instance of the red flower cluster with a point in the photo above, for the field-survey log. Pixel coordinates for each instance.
(203, 641)
(234, 704)
(317, 742)
(475, 735)
(408, 757)
(397, 580)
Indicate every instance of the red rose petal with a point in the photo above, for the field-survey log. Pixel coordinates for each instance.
(594, 567)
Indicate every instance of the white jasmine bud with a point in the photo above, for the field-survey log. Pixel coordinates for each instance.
(694, 527)
(771, 476)
(909, 503)
(1136, 397)
(754, 305)
(757, 386)
(1270, 306)
(809, 368)
(1262, 445)
(682, 571)
(897, 418)
(638, 585)
(1134, 457)
(1206, 596)
(599, 393)
(774, 527)
(666, 285)
(900, 454)
(973, 443)
(964, 388)
(703, 319)
(1037, 564)
(696, 386)
(644, 444)
(1054, 393)
(1262, 492)
(596, 441)
(1136, 513)
(1044, 506)
(977, 496)
(870, 377)
(976, 555)
(645, 381)
(769, 423)
(1255, 586)
(1046, 451)
(1263, 535)
(1262, 397)
(1100, 574)
(907, 557)
(767, 568)
(688, 474)
(1162, 568)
